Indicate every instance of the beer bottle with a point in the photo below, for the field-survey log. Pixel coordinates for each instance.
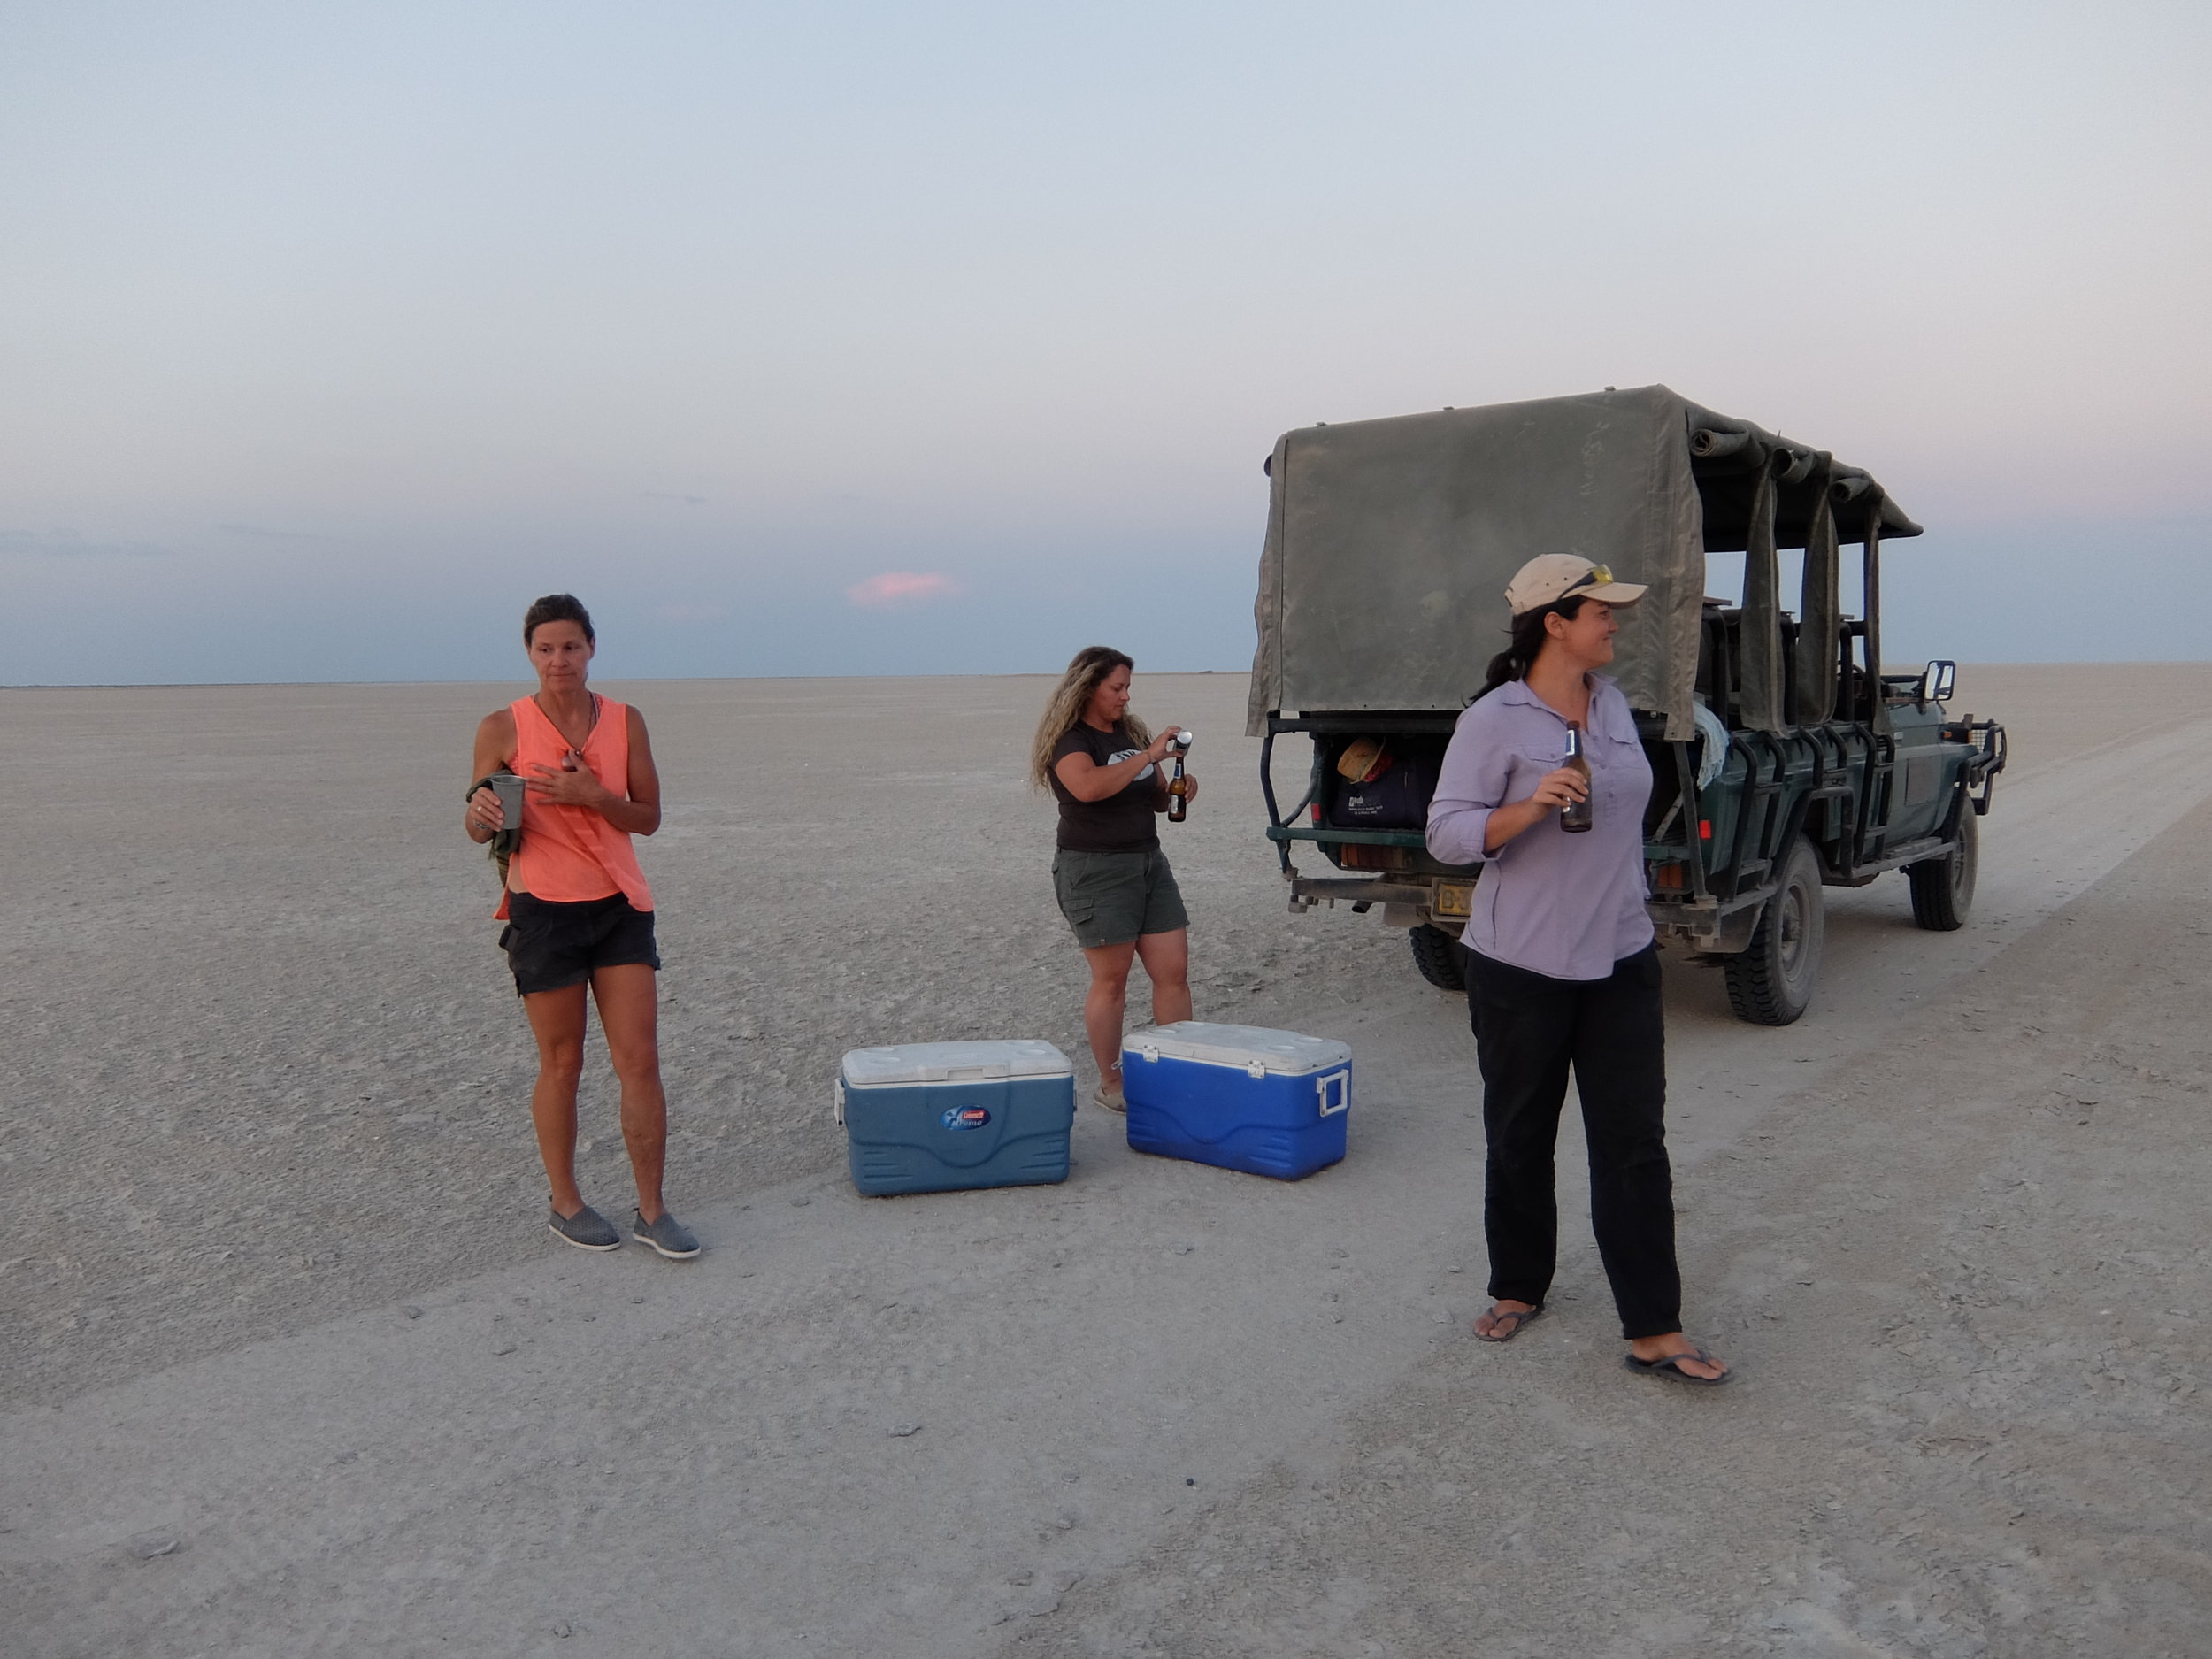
(1574, 818)
(1178, 787)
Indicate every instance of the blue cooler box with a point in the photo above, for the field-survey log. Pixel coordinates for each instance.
(1271, 1102)
(943, 1116)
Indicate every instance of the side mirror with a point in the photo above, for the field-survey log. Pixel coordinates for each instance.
(1938, 681)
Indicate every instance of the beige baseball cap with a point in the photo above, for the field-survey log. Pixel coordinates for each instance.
(1551, 577)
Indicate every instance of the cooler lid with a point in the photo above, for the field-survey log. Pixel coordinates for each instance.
(1286, 1053)
(953, 1062)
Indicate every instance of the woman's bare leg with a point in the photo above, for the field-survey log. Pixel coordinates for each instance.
(1167, 958)
(1104, 1006)
(629, 1013)
(557, 1020)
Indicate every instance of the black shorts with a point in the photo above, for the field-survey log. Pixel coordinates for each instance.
(551, 946)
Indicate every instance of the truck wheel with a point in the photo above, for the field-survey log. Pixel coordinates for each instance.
(1772, 983)
(1943, 888)
(1436, 953)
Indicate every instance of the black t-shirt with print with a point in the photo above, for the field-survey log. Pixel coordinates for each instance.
(1121, 823)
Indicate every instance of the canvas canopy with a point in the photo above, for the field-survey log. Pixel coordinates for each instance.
(1390, 543)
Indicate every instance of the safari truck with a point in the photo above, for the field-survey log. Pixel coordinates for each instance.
(1785, 757)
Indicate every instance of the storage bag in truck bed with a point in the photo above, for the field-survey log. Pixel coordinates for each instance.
(1396, 798)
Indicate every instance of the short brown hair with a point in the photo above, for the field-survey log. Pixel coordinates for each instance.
(558, 608)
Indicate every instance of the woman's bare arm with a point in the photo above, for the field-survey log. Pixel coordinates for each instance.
(495, 752)
(1086, 781)
(645, 783)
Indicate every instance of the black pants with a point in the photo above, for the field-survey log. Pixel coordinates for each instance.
(1528, 1028)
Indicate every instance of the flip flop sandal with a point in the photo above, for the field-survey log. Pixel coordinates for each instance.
(1519, 1318)
(1667, 1367)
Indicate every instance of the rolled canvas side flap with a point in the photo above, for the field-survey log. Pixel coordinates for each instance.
(1265, 695)
(1655, 659)
(1760, 642)
(1821, 611)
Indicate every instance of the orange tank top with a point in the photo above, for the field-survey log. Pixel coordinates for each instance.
(570, 854)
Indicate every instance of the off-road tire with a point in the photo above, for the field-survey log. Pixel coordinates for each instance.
(1436, 953)
(1943, 888)
(1772, 982)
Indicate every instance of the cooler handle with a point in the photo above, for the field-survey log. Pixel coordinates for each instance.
(841, 1102)
(1343, 1082)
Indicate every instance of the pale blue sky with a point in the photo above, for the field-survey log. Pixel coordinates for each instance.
(329, 336)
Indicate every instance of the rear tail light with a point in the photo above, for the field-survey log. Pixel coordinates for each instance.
(1360, 856)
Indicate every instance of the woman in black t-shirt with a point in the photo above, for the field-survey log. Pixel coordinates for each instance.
(1110, 874)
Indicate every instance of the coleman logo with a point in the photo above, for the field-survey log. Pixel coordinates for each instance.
(965, 1117)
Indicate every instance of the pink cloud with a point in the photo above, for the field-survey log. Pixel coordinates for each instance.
(895, 587)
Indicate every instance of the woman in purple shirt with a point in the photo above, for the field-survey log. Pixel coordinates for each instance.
(1563, 967)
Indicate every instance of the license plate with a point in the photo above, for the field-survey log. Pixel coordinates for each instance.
(1455, 898)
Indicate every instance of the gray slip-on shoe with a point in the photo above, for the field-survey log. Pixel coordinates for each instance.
(668, 1236)
(587, 1229)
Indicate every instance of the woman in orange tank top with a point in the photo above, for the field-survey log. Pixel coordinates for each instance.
(578, 912)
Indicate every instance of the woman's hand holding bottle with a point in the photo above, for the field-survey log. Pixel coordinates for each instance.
(1562, 788)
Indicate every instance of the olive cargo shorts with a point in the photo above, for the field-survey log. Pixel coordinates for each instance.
(1112, 898)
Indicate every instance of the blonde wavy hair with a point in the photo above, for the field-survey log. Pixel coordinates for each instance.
(1089, 671)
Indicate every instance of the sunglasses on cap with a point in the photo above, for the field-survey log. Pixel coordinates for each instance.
(1598, 576)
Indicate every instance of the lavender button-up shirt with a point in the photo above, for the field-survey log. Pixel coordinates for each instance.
(1566, 906)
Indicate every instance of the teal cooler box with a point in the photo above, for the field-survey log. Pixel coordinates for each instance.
(944, 1117)
(1269, 1102)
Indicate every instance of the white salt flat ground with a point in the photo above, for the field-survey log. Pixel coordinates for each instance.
(277, 1288)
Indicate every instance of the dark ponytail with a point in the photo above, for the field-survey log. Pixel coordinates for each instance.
(1520, 653)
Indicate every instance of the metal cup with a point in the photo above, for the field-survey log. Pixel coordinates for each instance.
(508, 786)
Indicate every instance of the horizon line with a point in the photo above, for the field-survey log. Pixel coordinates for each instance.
(1038, 673)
